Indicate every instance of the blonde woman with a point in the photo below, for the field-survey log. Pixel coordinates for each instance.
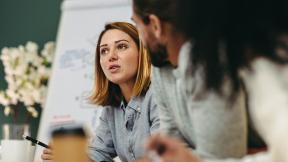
(122, 80)
(122, 87)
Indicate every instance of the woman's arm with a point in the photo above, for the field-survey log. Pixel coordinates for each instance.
(102, 147)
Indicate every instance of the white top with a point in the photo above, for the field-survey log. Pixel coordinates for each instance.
(267, 86)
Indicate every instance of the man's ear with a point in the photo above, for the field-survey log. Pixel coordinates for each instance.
(155, 23)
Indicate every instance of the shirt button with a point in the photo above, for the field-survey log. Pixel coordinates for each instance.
(138, 109)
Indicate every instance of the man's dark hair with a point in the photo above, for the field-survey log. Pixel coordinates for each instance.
(165, 10)
(226, 35)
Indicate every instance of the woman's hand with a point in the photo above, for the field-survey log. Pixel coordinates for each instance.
(47, 154)
(170, 149)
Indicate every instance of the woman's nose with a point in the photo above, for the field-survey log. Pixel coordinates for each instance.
(113, 55)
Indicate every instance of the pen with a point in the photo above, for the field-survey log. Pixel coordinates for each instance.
(35, 141)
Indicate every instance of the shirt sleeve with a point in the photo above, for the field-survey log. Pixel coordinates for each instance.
(167, 122)
(102, 147)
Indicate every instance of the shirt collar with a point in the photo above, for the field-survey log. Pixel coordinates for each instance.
(122, 105)
(184, 60)
(134, 104)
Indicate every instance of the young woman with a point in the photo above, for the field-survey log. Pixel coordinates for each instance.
(122, 80)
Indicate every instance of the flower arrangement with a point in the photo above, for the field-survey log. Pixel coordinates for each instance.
(26, 73)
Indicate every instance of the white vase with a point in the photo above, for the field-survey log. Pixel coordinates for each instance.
(13, 147)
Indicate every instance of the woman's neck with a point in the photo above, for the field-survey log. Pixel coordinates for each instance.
(127, 90)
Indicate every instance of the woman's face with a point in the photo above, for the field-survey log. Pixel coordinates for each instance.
(118, 57)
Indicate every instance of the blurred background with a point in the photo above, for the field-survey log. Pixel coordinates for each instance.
(23, 21)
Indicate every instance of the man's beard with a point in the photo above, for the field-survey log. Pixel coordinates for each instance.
(159, 57)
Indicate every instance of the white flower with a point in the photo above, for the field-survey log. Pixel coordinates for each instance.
(34, 114)
(4, 99)
(28, 100)
(32, 47)
(12, 95)
(21, 48)
(9, 71)
(48, 51)
(36, 95)
(37, 61)
(7, 110)
(44, 71)
(15, 54)
(5, 51)
(20, 70)
(30, 108)
(32, 111)
(9, 79)
(31, 58)
(26, 72)
(29, 86)
(5, 54)
(18, 82)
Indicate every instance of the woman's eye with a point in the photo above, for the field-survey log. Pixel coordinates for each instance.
(103, 51)
(122, 46)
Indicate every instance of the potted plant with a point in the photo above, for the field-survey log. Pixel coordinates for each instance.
(26, 72)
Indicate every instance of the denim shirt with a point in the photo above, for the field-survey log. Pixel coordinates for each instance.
(122, 130)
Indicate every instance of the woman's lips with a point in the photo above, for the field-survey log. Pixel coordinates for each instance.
(114, 68)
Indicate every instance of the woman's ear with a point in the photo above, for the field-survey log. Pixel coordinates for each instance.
(155, 23)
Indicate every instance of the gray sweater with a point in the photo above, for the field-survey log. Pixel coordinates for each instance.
(210, 125)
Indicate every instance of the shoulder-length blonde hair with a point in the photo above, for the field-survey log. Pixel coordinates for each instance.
(107, 93)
